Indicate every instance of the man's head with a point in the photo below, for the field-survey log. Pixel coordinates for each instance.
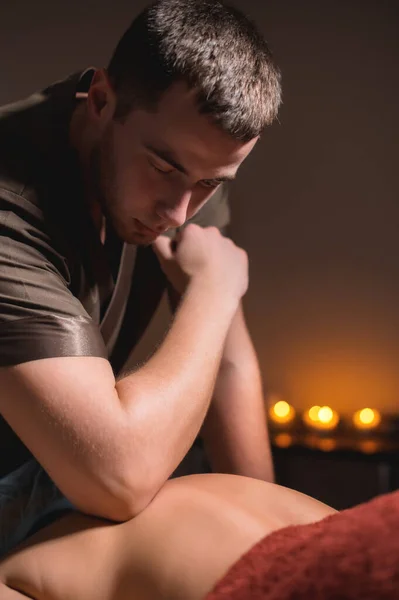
(189, 89)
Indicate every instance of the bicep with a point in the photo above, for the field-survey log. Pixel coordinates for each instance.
(67, 412)
(57, 388)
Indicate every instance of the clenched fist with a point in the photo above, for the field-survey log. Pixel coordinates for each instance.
(203, 254)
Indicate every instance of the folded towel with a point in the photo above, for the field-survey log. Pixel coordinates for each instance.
(352, 555)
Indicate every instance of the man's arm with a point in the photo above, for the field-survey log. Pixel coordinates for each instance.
(235, 429)
(109, 446)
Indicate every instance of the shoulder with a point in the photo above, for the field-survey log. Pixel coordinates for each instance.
(34, 132)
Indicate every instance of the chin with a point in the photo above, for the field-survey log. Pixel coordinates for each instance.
(127, 235)
(136, 238)
(132, 234)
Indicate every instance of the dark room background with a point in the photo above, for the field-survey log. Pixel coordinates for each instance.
(316, 205)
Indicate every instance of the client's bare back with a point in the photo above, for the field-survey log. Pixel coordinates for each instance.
(177, 548)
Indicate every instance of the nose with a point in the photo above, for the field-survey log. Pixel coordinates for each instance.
(174, 212)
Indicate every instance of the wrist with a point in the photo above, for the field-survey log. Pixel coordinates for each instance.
(216, 294)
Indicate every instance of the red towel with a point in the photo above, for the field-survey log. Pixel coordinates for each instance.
(352, 555)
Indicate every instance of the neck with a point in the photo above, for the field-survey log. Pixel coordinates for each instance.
(81, 141)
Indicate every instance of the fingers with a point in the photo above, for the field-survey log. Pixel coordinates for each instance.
(163, 247)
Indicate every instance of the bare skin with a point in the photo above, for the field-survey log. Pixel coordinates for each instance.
(153, 170)
(67, 403)
(176, 549)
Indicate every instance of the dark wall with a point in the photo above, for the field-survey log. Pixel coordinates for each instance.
(321, 212)
(316, 205)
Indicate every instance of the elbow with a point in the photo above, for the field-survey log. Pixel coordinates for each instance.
(135, 490)
(116, 499)
(127, 508)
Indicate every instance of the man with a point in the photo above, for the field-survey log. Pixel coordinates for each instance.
(90, 169)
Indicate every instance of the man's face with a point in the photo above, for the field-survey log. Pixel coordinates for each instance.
(157, 169)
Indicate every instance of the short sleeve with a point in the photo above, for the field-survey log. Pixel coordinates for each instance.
(39, 315)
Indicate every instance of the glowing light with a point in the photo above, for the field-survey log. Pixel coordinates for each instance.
(283, 440)
(325, 414)
(321, 417)
(369, 446)
(282, 412)
(327, 444)
(314, 413)
(367, 418)
(282, 409)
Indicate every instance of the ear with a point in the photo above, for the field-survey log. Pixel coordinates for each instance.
(101, 98)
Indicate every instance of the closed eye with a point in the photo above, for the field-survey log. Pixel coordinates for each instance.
(166, 168)
(160, 167)
(210, 183)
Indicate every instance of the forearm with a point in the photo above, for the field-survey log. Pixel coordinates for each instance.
(167, 399)
(235, 430)
(237, 438)
(110, 445)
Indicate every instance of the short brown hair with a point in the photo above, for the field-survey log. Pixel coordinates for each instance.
(211, 46)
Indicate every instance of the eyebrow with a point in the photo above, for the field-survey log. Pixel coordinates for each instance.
(168, 157)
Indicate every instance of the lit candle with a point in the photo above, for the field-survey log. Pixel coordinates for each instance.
(282, 412)
(322, 418)
(366, 419)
